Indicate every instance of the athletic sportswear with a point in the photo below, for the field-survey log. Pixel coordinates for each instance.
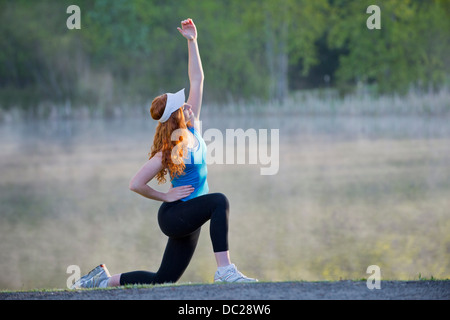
(196, 171)
(231, 274)
(96, 278)
(181, 221)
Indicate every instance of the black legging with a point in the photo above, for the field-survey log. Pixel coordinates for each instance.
(181, 221)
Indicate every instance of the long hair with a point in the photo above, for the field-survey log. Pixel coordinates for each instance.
(172, 150)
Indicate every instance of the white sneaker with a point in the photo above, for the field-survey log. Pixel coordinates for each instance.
(96, 278)
(231, 274)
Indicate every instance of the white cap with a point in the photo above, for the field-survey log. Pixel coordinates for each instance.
(174, 102)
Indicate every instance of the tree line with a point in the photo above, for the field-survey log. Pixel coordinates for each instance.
(128, 51)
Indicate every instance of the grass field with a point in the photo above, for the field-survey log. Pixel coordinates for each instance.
(351, 191)
(240, 293)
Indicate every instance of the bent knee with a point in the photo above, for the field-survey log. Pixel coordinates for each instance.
(221, 201)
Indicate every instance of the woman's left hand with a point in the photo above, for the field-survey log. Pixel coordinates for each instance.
(188, 29)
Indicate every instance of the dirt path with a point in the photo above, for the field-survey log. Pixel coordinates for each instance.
(340, 290)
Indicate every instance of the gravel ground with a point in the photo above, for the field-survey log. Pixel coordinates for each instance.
(340, 290)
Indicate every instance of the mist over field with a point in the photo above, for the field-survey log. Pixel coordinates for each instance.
(361, 160)
(351, 191)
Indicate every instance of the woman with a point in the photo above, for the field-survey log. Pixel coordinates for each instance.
(179, 150)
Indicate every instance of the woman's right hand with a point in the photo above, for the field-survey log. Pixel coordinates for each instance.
(188, 29)
(178, 193)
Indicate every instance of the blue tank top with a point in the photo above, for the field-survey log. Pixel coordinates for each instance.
(196, 171)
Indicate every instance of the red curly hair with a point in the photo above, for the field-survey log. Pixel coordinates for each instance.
(163, 142)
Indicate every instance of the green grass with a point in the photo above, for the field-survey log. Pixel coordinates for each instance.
(190, 284)
(350, 192)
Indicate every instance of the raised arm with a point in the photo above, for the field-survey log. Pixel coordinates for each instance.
(195, 69)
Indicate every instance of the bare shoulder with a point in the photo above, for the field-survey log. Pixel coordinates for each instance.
(157, 156)
(155, 161)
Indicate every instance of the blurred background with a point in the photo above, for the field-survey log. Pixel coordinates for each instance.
(364, 164)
